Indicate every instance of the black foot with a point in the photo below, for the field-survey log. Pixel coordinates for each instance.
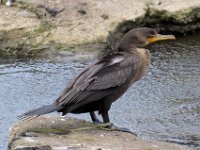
(94, 118)
(97, 121)
(115, 128)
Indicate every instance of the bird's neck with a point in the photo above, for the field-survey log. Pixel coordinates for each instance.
(141, 52)
(126, 47)
(129, 48)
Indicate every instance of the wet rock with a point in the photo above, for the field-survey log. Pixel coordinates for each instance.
(63, 133)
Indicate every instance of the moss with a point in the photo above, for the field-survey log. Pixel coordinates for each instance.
(3, 1)
(44, 26)
(179, 17)
(84, 137)
(21, 42)
(65, 131)
(49, 130)
(179, 22)
(23, 4)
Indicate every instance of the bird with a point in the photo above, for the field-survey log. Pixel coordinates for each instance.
(105, 81)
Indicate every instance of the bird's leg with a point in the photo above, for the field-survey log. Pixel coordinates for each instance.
(105, 117)
(94, 118)
(112, 126)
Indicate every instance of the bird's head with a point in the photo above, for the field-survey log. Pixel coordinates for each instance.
(140, 37)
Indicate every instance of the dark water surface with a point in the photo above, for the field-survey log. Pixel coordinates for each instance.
(165, 105)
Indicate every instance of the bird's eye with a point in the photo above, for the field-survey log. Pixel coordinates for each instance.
(150, 36)
(151, 32)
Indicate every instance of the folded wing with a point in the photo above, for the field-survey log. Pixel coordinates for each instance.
(99, 79)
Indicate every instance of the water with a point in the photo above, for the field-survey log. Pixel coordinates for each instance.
(165, 105)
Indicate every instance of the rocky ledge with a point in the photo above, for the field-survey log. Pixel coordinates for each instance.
(61, 133)
(32, 27)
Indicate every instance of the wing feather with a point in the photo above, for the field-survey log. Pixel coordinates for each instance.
(99, 79)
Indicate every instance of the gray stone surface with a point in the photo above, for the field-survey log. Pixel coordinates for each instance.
(61, 133)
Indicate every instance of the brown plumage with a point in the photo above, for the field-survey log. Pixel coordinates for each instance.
(103, 82)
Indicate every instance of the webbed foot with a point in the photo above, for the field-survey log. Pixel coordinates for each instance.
(115, 128)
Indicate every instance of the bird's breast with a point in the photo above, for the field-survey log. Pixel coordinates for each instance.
(143, 64)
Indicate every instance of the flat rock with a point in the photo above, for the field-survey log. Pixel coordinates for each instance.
(48, 132)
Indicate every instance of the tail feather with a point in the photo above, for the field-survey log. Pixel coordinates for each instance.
(39, 111)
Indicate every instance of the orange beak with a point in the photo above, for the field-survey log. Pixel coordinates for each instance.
(159, 37)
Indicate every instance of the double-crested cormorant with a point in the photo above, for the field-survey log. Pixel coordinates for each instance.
(103, 82)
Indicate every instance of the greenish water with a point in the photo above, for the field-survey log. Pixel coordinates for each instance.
(165, 105)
